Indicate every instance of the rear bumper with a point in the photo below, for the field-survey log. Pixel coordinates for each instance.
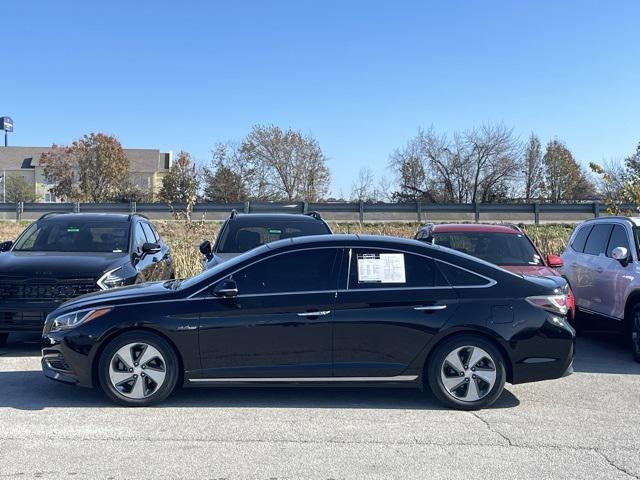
(547, 354)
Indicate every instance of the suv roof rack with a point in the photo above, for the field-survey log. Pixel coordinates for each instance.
(314, 214)
(48, 214)
(131, 215)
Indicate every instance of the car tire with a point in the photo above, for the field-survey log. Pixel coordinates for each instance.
(455, 383)
(634, 332)
(138, 368)
(3, 339)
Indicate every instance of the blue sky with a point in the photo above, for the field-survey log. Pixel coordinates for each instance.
(360, 76)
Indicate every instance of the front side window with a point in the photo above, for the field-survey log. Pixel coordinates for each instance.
(373, 268)
(496, 248)
(240, 237)
(598, 239)
(149, 233)
(74, 236)
(299, 271)
(140, 238)
(618, 239)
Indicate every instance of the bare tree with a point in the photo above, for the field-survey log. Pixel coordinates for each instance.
(476, 165)
(227, 180)
(285, 164)
(362, 189)
(533, 169)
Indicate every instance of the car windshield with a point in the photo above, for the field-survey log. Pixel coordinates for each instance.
(75, 236)
(497, 248)
(238, 237)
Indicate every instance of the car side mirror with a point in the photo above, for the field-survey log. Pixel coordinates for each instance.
(150, 248)
(5, 246)
(554, 261)
(205, 248)
(620, 254)
(226, 289)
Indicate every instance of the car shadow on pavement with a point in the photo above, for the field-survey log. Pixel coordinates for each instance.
(31, 390)
(604, 352)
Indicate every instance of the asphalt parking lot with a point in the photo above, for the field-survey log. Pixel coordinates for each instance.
(583, 426)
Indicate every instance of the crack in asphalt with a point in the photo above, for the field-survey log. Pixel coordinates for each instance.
(614, 465)
(494, 430)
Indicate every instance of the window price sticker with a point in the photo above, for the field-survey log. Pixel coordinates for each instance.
(381, 268)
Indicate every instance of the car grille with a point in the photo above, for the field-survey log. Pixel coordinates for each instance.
(25, 321)
(16, 288)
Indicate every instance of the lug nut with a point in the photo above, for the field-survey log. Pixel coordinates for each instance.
(144, 366)
(466, 367)
(461, 374)
(473, 369)
(131, 369)
(466, 380)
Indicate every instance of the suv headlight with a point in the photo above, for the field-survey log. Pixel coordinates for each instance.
(73, 319)
(111, 279)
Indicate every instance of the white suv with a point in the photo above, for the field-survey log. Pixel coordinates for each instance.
(602, 265)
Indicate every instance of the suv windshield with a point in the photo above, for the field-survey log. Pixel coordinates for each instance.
(238, 237)
(75, 236)
(497, 248)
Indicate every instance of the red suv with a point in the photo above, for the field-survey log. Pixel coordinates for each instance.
(504, 245)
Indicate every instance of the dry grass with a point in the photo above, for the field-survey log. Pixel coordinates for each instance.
(184, 238)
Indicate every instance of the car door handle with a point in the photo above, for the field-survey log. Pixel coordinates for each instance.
(599, 270)
(431, 307)
(320, 313)
(574, 265)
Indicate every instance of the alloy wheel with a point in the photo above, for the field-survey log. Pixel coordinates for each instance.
(468, 373)
(137, 370)
(635, 335)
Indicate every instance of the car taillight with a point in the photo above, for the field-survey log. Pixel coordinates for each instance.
(550, 303)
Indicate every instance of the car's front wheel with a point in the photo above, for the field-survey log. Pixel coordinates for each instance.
(138, 369)
(466, 372)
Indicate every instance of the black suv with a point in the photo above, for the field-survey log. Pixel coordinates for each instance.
(243, 232)
(62, 256)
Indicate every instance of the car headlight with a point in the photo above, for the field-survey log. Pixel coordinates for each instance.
(112, 279)
(73, 319)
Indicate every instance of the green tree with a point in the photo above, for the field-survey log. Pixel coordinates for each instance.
(620, 184)
(225, 180)
(19, 190)
(181, 184)
(565, 179)
(59, 166)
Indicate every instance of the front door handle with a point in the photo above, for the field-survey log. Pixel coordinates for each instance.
(321, 313)
(431, 307)
(599, 269)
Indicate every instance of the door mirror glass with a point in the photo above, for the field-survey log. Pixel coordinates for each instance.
(205, 248)
(5, 246)
(620, 253)
(226, 289)
(150, 248)
(554, 261)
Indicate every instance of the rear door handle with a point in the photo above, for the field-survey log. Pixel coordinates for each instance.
(599, 269)
(320, 313)
(431, 307)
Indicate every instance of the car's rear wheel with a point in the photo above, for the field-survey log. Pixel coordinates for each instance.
(138, 369)
(635, 332)
(466, 372)
(3, 339)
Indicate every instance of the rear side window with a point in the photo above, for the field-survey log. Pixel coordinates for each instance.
(459, 277)
(373, 268)
(618, 238)
(581, 238)
(598, 239)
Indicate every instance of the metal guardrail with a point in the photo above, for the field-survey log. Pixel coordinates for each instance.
(362, 209)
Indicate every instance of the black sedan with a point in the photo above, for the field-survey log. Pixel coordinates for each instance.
(335, 309)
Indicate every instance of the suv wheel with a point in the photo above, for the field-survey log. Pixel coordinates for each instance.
(138, 369)
(3, 339)
(466, 372)
(635, 332)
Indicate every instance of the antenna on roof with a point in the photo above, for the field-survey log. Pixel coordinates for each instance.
(234, 212)
(314, 214)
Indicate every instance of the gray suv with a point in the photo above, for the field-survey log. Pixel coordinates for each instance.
(602, 265)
